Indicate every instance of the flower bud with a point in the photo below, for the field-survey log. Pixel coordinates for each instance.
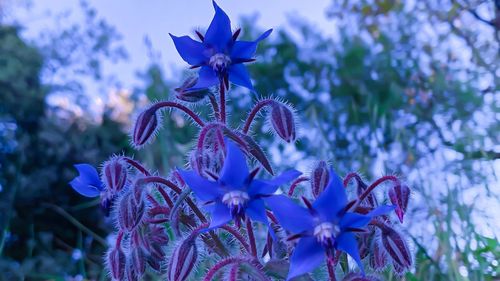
(396, 247)
(184, 94)
(138, 260)
(399, 195)
(115, 260)
(364, 243)
(158, 236)
(145, 126)
(319, 178)
(378, 256)
(114, 174)
(282, 120)
(130, 272)
(130, 212)
(183, 259)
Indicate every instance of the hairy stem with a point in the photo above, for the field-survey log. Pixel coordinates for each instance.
(215, 106)
(261, 104)
(222, 94)
(295, 183)
(371, 188)
(251, 238)
(186, 110)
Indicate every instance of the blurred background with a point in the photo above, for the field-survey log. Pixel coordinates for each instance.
(410, 88)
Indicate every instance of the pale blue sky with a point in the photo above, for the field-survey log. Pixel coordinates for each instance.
(156, 18)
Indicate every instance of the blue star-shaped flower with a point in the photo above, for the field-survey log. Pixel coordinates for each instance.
(219, 55)
(322, 227)
(88, 182)
(236, 193)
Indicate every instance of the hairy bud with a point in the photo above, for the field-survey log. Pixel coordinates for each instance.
(183, 260)
(319, 178)
(114, 174)
(282, 120)
(138, 260)
(145, 126)
(378, 256)
(395, 245)
(130, 272)
(115, 260)
(184, 94)
(130, 212)
(399, 195)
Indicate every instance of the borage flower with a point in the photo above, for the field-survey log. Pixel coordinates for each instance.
(323, 227)
(90, 185)
(218, 54)
(235, 193)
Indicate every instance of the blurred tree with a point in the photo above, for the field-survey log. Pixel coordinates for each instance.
(42, 220)
(385, 96)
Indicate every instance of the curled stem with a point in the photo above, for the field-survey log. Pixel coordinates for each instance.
(371, 188)
(186, 110)
(350, 176)
(295, 183)
(261, 104)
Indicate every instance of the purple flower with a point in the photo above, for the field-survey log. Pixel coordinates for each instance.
(87, 183)
(235, 193)
(322, 227)
(219, 55)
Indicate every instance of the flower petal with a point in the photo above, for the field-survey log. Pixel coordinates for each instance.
(290, 215)
(238, 74)
(256, 210)
(206, 78)
(83, 188)
(89, 175)
(235, 169)
(381, 210)
(332, 199)
(354, 220)
(246, 49)
(191, 51)
(266, 187)
(347, 243)
(219, 33)
(204, 189)
(307, 256)
(220, 215)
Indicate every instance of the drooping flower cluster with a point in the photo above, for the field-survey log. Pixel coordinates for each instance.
(164, 223)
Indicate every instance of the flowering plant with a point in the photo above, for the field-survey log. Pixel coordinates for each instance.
(254, 231)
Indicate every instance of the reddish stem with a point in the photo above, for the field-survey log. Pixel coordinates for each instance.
(204, 131)
(372, 187)
(222, 102)
(186, 110)
(261, 104)
(331, 270)
(238, 237)
(295, 183)
(136, 165)
(351, 176)
(215, 106)
(251, 237)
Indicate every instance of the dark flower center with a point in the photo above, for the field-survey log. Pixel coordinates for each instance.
(219, 63)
